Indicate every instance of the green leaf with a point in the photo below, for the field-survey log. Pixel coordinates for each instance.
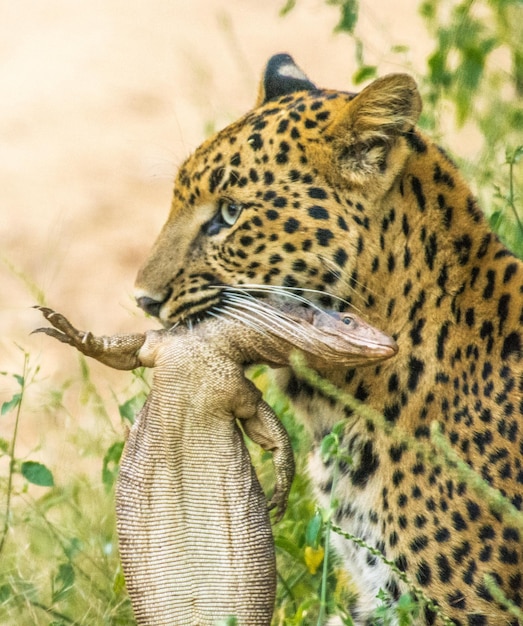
(37, 474)
(111, 464)
(349, 10)
(339, 428)
(5, 593)
(19, 379)
(471, 69)
(407, 609)
(4, 446)
(427, 10)
(11, 404)
(228, 621)
(288, 545)
(313, 532)
(345, 459)
(495, 219)
(329, 446)
(365, 72)
(119, 583)
(231, 621)
(513, 155)
(287, 7)
(63, 581)
(131, 407)
(439, 74)
(399, 48)
(71, 550)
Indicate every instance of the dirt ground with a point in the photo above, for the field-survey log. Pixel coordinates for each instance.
(101, 100)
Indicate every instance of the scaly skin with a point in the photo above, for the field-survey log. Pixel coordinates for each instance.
(193, 525)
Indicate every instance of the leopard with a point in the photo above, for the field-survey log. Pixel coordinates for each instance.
(339, 199)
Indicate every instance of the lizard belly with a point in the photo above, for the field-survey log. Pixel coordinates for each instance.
(193, 525)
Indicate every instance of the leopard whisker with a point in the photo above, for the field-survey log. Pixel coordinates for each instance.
(228, 311)
(336, 271)
(291, 292)
(249, 304)
(340, 275)
(270, 316)
(265, 325)
(248, 295)
(285, 291)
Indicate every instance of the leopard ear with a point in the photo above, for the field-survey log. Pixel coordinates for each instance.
(281, 77)
(363, 131)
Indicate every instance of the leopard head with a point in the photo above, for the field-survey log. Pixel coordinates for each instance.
(274, 203)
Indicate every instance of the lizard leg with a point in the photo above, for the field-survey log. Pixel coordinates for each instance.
(266, 430)
(118, 351)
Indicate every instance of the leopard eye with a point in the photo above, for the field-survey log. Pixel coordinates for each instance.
(230, 211)
(227, 214)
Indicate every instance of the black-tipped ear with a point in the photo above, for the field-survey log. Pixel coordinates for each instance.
(281, 77)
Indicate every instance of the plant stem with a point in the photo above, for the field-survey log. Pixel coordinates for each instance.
(511, 193)
(328, 526)
(12, 460)
(53, 612)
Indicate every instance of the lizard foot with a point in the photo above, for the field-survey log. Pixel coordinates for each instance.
(118, 351)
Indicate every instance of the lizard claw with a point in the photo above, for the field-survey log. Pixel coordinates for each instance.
(46, 311)
(52, 332)
(277, 503)
(62, 325)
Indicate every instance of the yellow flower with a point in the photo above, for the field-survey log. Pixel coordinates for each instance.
(313, 558)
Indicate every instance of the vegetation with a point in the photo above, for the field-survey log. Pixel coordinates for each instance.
(58, 547)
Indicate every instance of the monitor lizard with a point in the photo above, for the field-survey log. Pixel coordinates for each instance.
(193, 524)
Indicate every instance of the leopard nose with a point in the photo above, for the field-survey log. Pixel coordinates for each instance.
(149, 305)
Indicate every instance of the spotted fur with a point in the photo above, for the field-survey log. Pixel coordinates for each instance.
(340, 193)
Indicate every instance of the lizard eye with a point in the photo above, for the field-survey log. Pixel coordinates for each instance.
(347, 319)
(229, 211)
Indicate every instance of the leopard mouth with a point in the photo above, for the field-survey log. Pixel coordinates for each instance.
(189, 311)
(208, 299)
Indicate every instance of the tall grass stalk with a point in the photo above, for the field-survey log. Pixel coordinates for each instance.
(17, 400)
(326, 554)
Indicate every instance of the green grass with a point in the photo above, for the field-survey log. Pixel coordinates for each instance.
(58, 547)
